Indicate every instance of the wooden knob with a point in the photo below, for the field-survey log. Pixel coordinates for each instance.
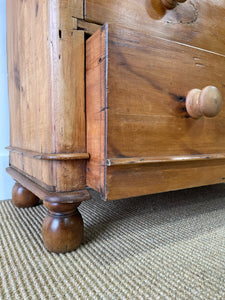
(170, 4)
(207, 102)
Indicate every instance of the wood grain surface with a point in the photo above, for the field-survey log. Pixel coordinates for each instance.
(163, 159)
(136, 180)
(96, 97)
(199, 23)
(46, 89)
(138, 75)
(56, 198)
(148, 79)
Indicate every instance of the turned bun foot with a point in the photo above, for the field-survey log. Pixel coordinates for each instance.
(62, 228)
(23, 198)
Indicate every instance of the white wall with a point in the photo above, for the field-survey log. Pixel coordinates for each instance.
(6, 182)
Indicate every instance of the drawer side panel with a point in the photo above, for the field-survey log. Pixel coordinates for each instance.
(96, 108)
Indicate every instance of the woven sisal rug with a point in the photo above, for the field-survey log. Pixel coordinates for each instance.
(165, 246)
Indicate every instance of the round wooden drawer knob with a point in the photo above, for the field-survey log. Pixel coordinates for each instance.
(170, 4)
(207, 102)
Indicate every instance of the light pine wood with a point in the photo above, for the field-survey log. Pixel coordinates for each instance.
(207, 102)
(96, 106)
(28, 123)
(75, 7)
(141, 129)
(49, 156)
(29, 78)
(46, 90)
(147, 84)
(162, 159)
(148, 79)
(170, 4)
(199, 23)
(131, 181)
(64, 13)
(89, 28)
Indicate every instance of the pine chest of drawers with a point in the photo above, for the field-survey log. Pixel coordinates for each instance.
(124, 97)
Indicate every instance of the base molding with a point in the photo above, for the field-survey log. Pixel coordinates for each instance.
(41, 193)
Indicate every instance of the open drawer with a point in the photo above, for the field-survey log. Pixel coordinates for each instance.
(140, 137)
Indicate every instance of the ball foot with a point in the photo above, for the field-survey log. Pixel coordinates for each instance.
(62, 228)
(22, 197)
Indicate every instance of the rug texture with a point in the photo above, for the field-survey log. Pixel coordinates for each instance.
(164, 246)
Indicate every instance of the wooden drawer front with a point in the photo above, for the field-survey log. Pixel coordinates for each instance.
(196, 22)
(136, 92)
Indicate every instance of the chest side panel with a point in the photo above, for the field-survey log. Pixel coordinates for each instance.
(46, 91)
